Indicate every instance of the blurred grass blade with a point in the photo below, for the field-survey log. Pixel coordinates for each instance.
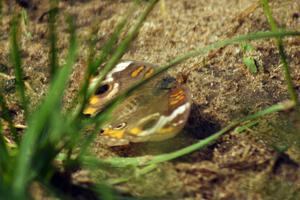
(15, 57)
(39, 120)
(109, 45)
(118, 53)
(283, 57)
(122, 47)
(4, 193)
(93, 64)
(53, 64)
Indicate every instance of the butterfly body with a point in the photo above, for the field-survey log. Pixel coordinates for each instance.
(155, 111)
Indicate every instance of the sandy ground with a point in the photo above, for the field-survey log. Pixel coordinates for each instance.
(238, 166)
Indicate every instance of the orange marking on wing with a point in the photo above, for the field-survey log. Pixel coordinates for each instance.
(177, 97)
(177, 100)
(149, 72)
(137, 71)
(177, 93)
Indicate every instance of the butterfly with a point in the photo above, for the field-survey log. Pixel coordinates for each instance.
(156, 111)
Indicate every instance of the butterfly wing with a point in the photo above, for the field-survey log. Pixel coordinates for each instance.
(155, 111)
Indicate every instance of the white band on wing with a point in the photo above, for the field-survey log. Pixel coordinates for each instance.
(163, 120)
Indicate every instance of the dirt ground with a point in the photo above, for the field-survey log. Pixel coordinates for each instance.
(238, 166)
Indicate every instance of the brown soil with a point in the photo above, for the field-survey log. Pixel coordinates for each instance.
(238, 166)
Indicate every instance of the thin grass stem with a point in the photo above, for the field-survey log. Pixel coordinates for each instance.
(15, 57)
(193, 53)
(149, 160)
(53, 64)
(283, 57)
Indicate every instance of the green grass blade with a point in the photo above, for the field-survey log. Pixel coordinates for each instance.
(53, 64)
(283, 57)
(109, 45)
(275, 108)
(121, 49)
(150, 160)
(4, 193)
(15, 57)
(39, 119)
(93, 64)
